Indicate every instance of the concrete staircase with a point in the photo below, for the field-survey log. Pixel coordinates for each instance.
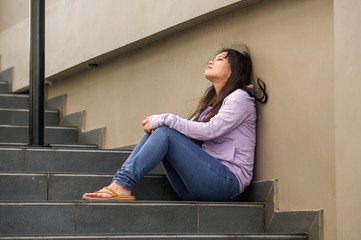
(41, 188)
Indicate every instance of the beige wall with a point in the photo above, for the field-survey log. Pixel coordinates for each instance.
(91, 28)
(13, 12)
(348, 118)
(292, 48)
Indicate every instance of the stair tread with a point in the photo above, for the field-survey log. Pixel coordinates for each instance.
(46, 127)
(264, 236)
(53, 146)
(14, 95)
(51, 149)
(25, 110)
(134, 203)
(68, 174)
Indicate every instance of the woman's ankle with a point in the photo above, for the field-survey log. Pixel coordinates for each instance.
(119, 189)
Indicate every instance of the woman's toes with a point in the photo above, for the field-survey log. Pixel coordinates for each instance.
(97, 195)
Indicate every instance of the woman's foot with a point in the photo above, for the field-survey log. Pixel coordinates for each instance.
(112, 192)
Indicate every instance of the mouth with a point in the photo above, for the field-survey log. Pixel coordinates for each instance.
(208, 67)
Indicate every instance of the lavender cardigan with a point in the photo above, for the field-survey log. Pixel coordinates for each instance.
(229, 136)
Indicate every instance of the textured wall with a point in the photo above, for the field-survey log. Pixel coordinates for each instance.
(348, 117)
(79, 30)
(12, 12)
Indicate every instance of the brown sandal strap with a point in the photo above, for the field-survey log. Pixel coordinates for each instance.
(112, 191)
(109, 191)
(106, 192)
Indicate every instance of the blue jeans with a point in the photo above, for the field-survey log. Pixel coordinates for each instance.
(193, 173)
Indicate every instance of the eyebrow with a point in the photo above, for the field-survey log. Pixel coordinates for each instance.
(222, 56)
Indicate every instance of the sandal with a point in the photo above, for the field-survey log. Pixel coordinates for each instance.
(111, 192)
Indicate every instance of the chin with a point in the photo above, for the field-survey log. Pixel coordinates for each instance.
(207, 76)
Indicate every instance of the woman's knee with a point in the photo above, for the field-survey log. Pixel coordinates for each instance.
(161, 128)
(172, 135)
(164, 129)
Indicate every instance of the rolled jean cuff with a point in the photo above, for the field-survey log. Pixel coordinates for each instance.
(122, 185)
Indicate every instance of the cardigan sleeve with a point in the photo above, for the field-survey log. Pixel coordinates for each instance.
(235, 108)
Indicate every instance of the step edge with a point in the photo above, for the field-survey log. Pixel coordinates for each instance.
(14, 95)
(149, 203)
(46, 127)
(45, 174)
(51, 148)
(26, 110)
(158, 236)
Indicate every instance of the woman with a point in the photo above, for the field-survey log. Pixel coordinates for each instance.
(209, 157)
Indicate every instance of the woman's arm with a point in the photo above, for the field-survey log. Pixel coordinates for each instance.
(235, 109)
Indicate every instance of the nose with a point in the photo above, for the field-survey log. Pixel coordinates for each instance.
(211, 61)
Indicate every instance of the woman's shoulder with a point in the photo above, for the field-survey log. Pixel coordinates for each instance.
(240, 95)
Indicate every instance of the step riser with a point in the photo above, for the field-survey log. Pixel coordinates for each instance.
(52, 135)
(3, 88)
(64, 161)
(129, 218)
(21, 186)
(76, 146)
(21, 118)
(14, 101)
(170, 237)
(57, 187)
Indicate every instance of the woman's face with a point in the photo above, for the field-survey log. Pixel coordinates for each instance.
(218, 69)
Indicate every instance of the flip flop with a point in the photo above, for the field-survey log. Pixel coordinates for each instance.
(115, 196)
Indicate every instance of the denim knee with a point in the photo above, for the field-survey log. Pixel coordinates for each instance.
(164, 129)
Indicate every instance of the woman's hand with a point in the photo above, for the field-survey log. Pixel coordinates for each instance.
(146, 125)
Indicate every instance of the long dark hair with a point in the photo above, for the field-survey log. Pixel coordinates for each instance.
(241, 77)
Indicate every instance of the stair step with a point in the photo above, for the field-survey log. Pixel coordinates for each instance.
(50, 160)
(261, 236)
(14, 101)
(21, 117)
(48, 217)
(52, 145)
(73, 146)
(37, 186)
(4, 87)
(55, 134)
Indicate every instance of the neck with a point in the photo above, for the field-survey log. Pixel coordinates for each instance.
(218, 87)
(218, 84)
